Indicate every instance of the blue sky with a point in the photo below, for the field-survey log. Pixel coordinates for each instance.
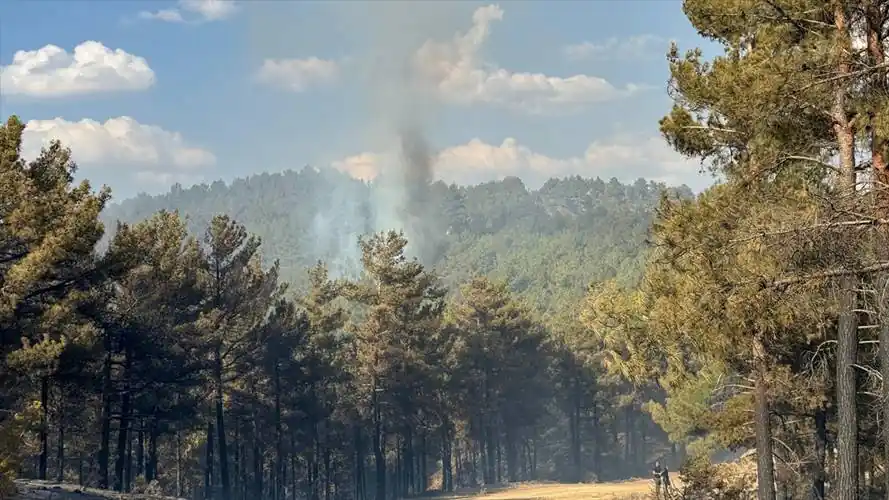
(152, 93)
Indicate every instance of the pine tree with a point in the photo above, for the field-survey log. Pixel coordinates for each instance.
(501, 352)
(48, 231)
(403, 305)
(240, 294)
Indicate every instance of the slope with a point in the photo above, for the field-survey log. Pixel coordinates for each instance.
(583, 229)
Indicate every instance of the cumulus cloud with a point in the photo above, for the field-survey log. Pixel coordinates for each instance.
(455, 70)
(149, 151)
(52, 72)
(625, 157)
(297, 75)
(634, 47)
(193, 11)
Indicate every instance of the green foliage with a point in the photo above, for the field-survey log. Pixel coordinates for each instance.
(15, 445)
(587, 229)
(538, 337)
(48, 230)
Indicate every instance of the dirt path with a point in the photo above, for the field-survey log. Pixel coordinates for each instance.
(625, 490)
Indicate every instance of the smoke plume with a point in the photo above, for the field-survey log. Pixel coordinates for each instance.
(404, 110)
(381, 71)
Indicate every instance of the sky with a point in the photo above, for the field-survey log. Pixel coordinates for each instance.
(152, 93)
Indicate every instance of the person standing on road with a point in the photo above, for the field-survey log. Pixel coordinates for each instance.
(665, 479)
(657, 475)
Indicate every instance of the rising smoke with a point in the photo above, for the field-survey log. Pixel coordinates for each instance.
(403, 110)
(381, 75)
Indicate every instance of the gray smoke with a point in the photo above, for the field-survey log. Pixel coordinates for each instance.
(383, 39)
(416, 217)
(404, 111)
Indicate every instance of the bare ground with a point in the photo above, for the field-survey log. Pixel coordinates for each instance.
(49, 490)
(624, 490)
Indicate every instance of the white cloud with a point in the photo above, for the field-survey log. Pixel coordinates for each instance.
(167, 15)
(53, 72)
(297, 75)
(364, 166)
(634, 47)
(455, 70)
(197, 11)
(625, 157)
(164, 180)
(148, 151)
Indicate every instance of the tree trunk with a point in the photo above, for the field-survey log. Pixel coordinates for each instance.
(123, 434)
(105, 445)
(499, 459)
(128, 466)
(628, 439)
(398, 477)
(220, 430)
(847, 411)
(407, 463)
(208, 462)
(151, 464)
(512, 466)
(594, 418)
(473, 460)
(279, 437)
(44, 427)
(447, 465)
(379, 451)
(884, 370)
(820, 453)
(765, 465)
(327, 472)
(879, 143)
(847, 329)
(875, 25)
(574, 430)
(140, 450)
(60, 446)
(178, 464)
(422, 473)
(257, 460)
(237, 460)
(359, 463)
(293, 484)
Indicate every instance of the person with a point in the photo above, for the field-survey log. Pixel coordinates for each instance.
(657, 474)
(665, 478)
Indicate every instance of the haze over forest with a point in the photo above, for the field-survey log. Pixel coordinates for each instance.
(595, 230)
(419, 318)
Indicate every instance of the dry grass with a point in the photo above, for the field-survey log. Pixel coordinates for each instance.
(626, 490)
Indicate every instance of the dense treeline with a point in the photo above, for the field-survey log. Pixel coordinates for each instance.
(180, 361)
(588, 229)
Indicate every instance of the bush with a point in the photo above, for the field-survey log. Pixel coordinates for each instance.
(14, 445)
(702, 480)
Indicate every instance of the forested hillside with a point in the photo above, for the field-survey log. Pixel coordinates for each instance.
(588, 229)
(177, 358)
(181, 357)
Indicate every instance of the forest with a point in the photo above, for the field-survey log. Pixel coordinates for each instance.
(179, 355)
(264, 339)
